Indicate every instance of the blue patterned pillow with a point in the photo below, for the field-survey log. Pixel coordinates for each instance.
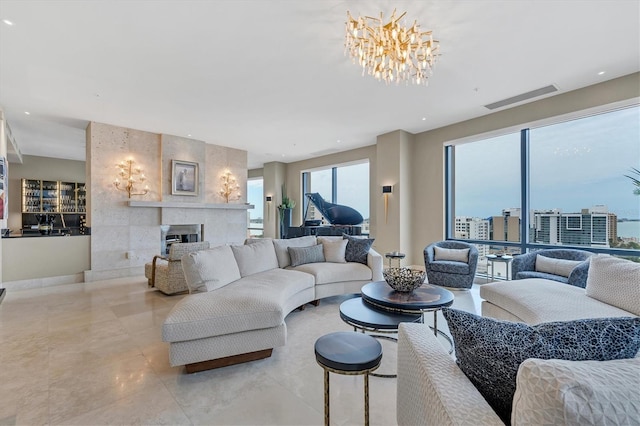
(302, 255)
(490, 351)
(357, 248)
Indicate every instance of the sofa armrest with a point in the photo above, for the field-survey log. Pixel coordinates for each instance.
(431, 389)
(374, 261)
(523, 262)
(578, 277)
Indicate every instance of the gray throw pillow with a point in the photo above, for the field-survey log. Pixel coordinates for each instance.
(357, 248)
(489, 351)
(303, 255)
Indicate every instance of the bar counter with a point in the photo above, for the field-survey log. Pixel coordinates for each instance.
(26, 257)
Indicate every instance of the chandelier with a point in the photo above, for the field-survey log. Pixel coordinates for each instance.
(390, 51)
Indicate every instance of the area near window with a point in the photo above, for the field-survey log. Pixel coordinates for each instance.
(571, 178)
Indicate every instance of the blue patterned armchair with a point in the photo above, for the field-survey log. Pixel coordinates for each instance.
(524, 266)
(452, 273)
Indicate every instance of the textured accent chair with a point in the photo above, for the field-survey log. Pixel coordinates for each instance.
(457, 273)
(524, 266)
(165, 273)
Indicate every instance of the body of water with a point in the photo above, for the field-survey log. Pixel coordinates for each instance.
(629, 229)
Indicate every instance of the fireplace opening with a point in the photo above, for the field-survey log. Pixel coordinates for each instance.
(170, 234)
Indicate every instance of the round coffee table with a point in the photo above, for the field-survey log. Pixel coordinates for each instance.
(426, 298)
(365, 317)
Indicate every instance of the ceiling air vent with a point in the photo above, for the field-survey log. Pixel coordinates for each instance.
(523, 97)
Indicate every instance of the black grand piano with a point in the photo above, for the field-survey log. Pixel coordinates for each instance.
(341, 219)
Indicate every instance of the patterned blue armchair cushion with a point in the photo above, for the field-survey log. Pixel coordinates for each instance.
(357, 248)
(490, 351)
(450, 267)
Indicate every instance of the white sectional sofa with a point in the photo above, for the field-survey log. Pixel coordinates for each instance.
(432, 388)
(240, 295)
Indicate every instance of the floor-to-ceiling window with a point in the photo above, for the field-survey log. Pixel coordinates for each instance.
(342, 184)
(569, 183)
(255, 196)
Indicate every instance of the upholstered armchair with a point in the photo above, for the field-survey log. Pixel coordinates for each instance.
(451, 264)
(165, 273)
(568, 266)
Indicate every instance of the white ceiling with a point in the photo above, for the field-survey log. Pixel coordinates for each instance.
(271, 77)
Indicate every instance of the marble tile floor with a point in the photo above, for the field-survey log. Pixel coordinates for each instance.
(92, 354)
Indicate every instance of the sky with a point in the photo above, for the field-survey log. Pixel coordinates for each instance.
(574, 165)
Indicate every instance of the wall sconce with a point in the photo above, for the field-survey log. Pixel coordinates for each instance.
(268, 198)
(229, 187)
(131, 175)
(386, 190)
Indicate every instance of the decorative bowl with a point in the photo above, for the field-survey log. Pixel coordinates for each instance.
(404, 279)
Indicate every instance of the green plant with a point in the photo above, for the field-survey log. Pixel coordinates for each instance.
(635, 180)
(287, 203)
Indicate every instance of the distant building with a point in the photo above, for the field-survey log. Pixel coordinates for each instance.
(473, 228)
(592, 227)
(507, 226)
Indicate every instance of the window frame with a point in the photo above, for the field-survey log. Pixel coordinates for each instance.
(525, 245)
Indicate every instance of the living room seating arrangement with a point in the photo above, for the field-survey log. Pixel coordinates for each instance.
(451, 264)
(165, 273)
(240, 295)
(568, 266)
(572, 355)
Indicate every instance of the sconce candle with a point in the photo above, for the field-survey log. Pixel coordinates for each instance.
(132, 175)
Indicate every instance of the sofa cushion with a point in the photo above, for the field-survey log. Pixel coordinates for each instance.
(562, 267)
(450, 267)
(334, 250)
(535, 274)
(256, 257)
(455, 255)
(303, 255)
(615, 281)
(357, 248)
(577, 393)
(281, 246)
(251, 303)
(207, 270)
(536, 300)
(328, 272)
(490, 351)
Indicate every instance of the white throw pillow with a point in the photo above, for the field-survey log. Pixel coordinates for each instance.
(334, 250)
(555, 391)
(281, 247)
(550, 265)
(255, 257)
(456, 255)
(207, 270)
(615, 281)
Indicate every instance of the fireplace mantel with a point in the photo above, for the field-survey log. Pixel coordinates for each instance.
(178, 205)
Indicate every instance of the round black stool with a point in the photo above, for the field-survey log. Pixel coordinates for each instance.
(351, 354)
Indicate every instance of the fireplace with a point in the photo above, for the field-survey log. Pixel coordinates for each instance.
(170, 234)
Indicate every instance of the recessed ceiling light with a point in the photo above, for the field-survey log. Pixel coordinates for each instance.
(27, 112)
(601, 72)
(424, 118)
(8, 22)
(189, 135)
(338, 141)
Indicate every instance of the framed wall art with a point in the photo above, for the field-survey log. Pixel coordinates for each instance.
(184, 177)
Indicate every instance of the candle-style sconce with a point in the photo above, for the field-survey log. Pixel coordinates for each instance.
(386, 190)
(230, 189)
(131, 176)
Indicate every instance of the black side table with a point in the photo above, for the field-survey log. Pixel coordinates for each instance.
(348, 353)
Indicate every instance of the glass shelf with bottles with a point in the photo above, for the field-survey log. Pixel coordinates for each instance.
(43, 196)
